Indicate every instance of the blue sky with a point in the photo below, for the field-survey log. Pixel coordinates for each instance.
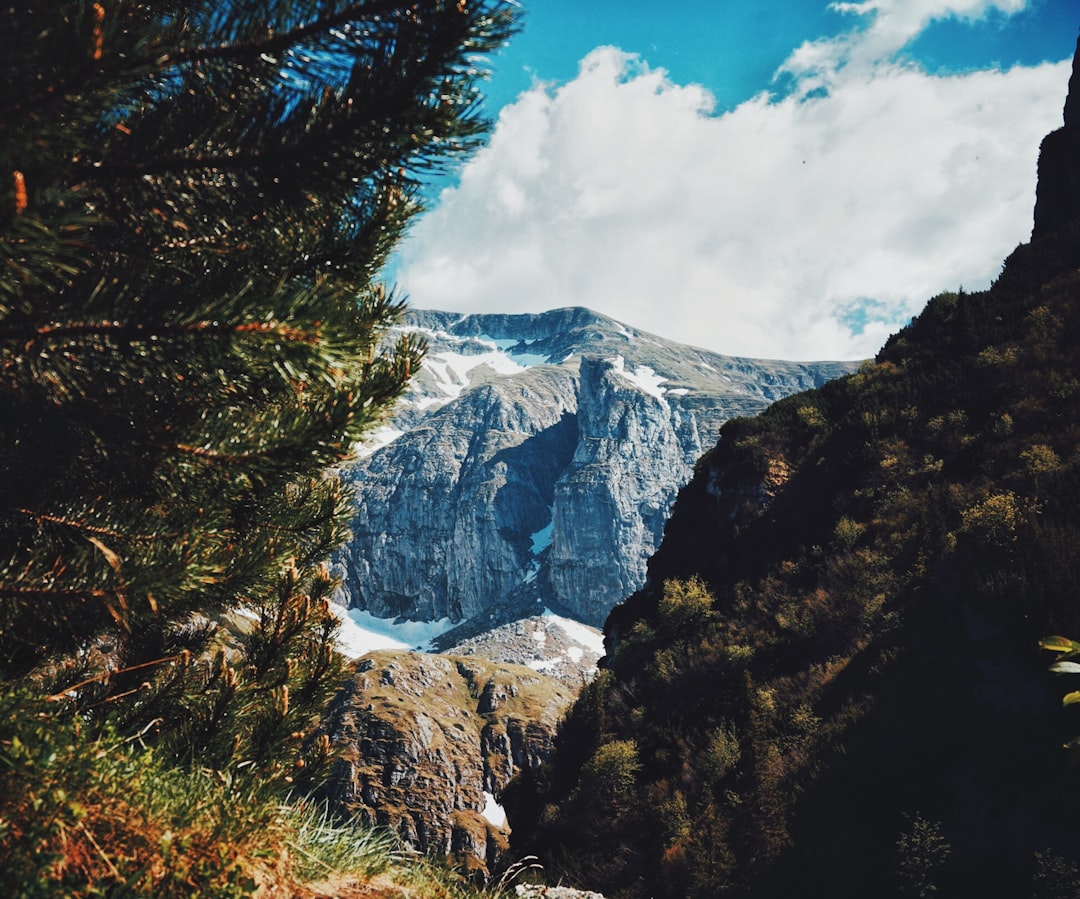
(731, 47)
(779, 179)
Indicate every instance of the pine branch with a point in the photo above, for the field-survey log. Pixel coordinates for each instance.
(132, 331)
(189, 332)
(105, 676)
(89, 528)
(275, 42)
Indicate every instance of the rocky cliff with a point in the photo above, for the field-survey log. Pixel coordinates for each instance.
(430, 741)
(535, 460)
(1057, 196)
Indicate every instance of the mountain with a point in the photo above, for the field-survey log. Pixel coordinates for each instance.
(831, 683)
(534, 463)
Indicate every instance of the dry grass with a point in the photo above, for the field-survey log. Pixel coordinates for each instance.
(103, 816)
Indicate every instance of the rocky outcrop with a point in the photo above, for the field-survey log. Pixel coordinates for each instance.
(535, 462)
(1057, 195)
(428, 742)
(535, 891)
(554, 645)
(446, 512)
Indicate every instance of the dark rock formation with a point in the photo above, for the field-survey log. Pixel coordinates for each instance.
(1057, 197)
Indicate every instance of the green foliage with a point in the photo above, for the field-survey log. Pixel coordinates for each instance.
(839, 623)
(722, 753)
(993, 522)
(195, 201)
(1067, 661)
(226, 188)
(612, 771)
(1055, 877)
(105, 816)
(847, 533)
(921, 851)
(684, 606)
(325, 846)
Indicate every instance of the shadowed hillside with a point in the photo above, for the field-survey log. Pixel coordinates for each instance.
(831, 684)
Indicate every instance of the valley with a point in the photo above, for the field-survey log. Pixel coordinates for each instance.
(513, 497)
(305, 593)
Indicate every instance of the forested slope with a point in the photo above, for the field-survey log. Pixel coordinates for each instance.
(831, 685)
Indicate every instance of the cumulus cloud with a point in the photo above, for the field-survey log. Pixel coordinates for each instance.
(892, 25)
(807, 225)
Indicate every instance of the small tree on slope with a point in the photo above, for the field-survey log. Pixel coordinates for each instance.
(195, 199)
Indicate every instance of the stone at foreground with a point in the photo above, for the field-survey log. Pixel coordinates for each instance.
(535, 891)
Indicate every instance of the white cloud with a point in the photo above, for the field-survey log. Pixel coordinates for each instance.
(892, 25)
(808, 226)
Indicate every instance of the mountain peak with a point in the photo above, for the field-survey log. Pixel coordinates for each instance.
(1072, 101)
(1057, 195)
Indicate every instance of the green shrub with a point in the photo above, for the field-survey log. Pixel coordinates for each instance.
(612, 771)
(685, 605)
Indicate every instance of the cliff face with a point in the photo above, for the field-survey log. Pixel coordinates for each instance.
(612, 500)
(1057, 196)
(430, 741)
(535, 461)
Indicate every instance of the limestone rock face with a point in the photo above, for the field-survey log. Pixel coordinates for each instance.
(535, 460)
(613, 497)
(430, 741)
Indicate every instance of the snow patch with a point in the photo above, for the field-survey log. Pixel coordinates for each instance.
(642, 377)
(509, 345)
(361, 632)
(493, 812)
(647, 380)
(587, 636)
(541, 540)
(452, 370)
(375, 440)
(425, 402)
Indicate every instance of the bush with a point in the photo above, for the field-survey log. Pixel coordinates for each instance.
(612, 772)
(684, 606)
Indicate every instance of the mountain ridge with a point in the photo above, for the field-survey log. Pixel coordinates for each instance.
(518, 431)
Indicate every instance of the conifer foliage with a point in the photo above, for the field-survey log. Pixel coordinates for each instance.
(195, 200)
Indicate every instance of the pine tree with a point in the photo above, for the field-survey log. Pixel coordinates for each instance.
(195, 201)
